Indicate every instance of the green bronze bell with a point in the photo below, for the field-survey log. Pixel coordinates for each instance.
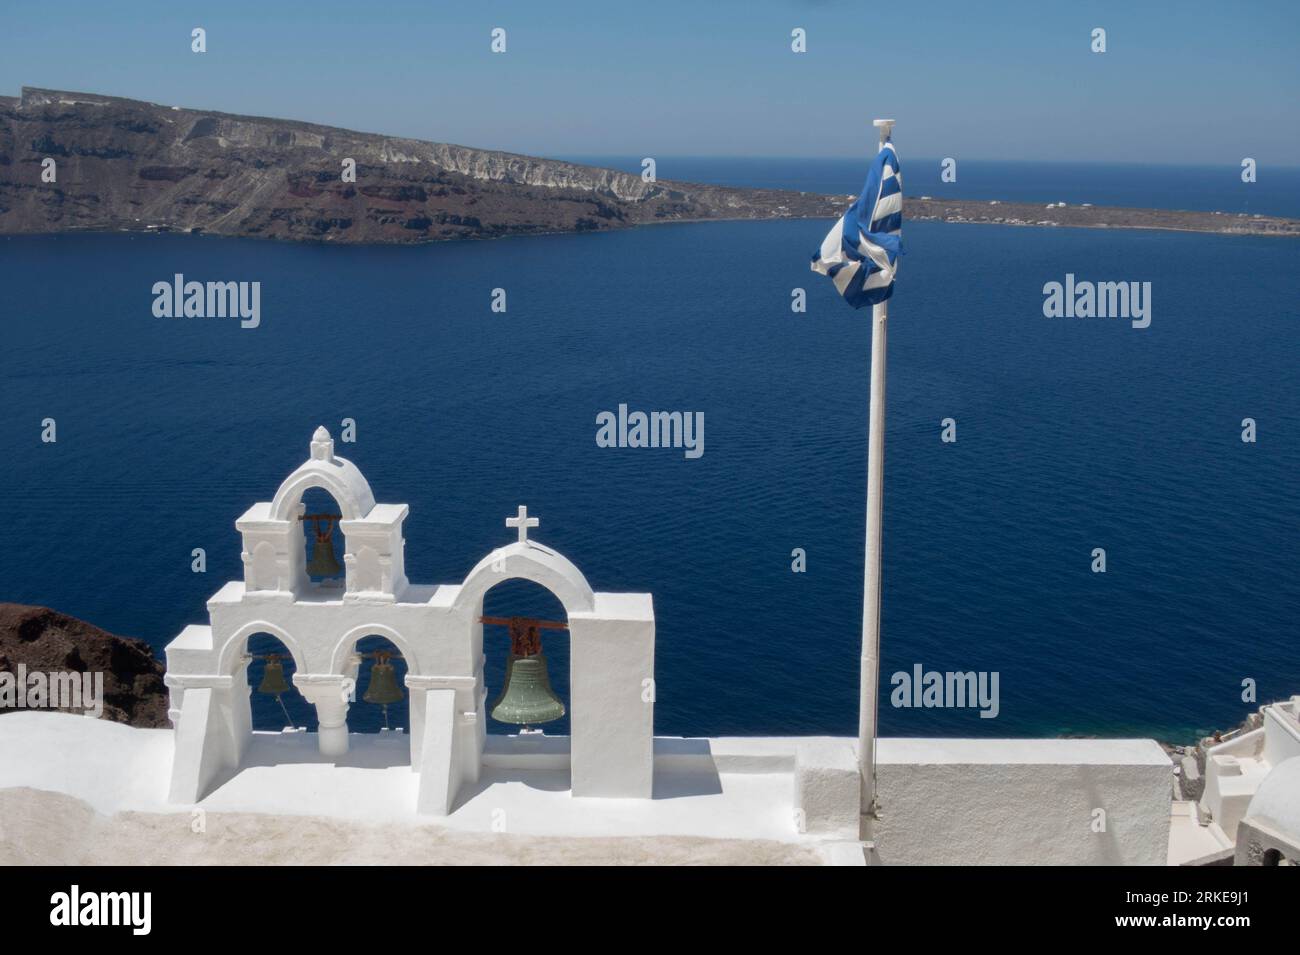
(383, 688)
(323, 562)
(273, 683)
(527, 697)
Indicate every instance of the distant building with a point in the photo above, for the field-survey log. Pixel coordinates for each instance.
(1248, 812)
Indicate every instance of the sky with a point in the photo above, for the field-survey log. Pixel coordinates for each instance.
(1180, 82)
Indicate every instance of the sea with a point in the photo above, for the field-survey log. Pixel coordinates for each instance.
(1072, 436)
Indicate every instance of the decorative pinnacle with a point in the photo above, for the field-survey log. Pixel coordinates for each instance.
(322, 445)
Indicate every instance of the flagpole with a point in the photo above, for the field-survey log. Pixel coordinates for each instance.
(870, 663)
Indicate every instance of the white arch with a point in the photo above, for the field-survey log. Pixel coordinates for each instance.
(338, 658)
(339, 477)
(528, 560)
(226, 659)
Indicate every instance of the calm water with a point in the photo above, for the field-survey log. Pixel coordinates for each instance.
(1072, 435)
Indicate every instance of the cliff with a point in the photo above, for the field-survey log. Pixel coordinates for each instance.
(47, 641)
(130, 166)
(125, 165)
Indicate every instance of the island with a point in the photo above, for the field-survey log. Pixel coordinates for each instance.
(82, 162)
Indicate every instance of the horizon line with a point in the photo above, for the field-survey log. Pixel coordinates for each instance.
(572, 157)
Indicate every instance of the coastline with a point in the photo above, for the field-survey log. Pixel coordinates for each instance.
(87, 163)
(948, 211)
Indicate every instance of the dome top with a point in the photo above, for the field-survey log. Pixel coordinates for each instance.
(1277, 801)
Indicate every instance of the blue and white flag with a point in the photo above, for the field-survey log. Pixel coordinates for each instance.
(861, 253)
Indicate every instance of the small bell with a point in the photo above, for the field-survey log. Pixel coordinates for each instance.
(273, 683)
(383, 688)
(323, 563)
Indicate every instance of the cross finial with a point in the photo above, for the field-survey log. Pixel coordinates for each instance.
(523, 522)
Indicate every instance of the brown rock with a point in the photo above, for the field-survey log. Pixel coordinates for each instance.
(48, 641)
(126, 165)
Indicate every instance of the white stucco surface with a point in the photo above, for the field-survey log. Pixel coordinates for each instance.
(828, 788)
(42, 828)
(116, 768)
(1023, 802)
(948, 801)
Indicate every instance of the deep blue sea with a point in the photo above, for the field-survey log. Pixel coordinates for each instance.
(1072, 434)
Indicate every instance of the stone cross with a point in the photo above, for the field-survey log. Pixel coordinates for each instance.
(523, 522)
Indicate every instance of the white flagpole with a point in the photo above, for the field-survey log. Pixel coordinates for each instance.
(870, 668)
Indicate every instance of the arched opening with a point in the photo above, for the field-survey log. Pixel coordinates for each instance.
(274, 702)
(323, 541)
(516, 598)
(382, 699)
(1271, 857)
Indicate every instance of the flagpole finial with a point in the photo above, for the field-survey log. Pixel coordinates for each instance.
(886, 127)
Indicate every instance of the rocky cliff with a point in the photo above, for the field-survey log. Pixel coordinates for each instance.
(47, 641)
(125, 165)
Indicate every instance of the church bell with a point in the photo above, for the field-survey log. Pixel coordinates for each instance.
(527, 698)
(273, 683)
(323, 562)
(383, 688)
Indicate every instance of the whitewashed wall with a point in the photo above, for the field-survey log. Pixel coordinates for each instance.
(1018, 802)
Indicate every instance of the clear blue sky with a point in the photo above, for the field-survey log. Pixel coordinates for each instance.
(1182, 82)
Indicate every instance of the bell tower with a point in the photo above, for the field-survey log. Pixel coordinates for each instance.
(374, 561)
(436, 629)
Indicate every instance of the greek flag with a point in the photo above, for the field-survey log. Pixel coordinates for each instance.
(861, 253)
